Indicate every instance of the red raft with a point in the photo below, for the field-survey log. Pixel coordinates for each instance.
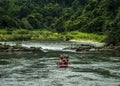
(63, 65)
(63, 61)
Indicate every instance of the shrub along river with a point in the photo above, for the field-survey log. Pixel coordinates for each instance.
(40, 68)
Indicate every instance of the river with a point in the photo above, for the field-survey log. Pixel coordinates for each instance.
(40, 68)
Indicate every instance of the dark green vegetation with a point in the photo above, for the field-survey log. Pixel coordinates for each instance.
(91, 16)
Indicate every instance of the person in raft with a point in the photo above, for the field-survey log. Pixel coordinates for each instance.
(63, 60)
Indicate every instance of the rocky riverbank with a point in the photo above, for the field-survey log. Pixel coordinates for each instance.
(92, 46)
(83, 47)
(8, 48)
(78, 47)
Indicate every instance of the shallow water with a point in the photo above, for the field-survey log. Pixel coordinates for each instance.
(40, 68)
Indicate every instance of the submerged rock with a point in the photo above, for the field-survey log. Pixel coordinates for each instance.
(117, 48)
(8, 48)
(82, 47)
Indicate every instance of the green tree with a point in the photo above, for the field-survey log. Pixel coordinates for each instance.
(25, 24)
(5, 4)
(59, 25)
(33, 21)
(96, 25)
(7, 21)
(24, 11)
(52, 9)
(114, 33)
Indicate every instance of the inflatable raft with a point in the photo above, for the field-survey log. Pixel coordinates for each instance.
(62, 65)
(63, 61)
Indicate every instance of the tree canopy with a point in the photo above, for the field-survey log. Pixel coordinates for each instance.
(92, 16)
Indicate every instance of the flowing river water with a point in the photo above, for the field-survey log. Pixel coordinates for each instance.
(40, 68)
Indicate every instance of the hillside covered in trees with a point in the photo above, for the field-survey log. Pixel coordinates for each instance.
(91, 16)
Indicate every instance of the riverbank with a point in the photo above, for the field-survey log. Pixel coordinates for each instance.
(89, 42)
(43, 46)
(45, 35)
(90, 45)
(18, 47)
(89, 39)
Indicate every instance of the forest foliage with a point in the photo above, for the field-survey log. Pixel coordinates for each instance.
(91, 16)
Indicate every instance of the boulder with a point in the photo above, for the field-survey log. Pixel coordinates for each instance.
(8, 48)
(117, 48)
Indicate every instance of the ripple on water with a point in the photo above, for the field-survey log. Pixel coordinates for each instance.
(4, 62)
(40, 69)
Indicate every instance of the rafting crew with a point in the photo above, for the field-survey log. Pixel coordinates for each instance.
(63, 60)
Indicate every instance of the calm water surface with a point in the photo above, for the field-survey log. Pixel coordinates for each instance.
(40, 68)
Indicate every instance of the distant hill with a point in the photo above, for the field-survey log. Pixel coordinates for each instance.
(92, 16)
